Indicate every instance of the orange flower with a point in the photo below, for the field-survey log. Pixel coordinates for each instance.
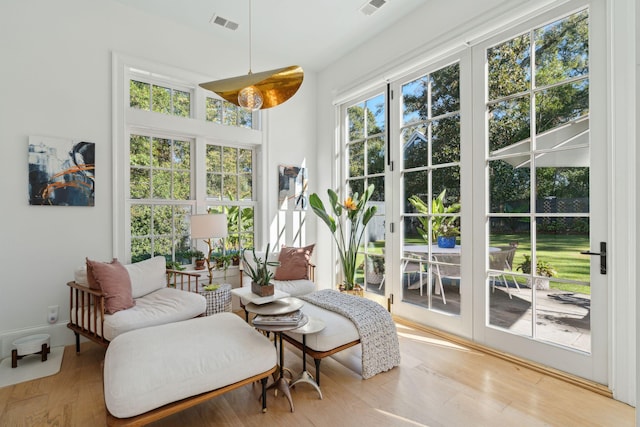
(350, 204)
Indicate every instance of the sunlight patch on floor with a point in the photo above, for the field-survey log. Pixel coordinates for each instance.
(435, 341)
(398, 417)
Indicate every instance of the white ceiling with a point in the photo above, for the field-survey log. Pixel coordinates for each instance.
(312, 34)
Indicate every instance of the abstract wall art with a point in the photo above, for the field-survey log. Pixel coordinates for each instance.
(292, 188)
(61, 172)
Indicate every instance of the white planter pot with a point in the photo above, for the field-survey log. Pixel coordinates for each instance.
(539, 282)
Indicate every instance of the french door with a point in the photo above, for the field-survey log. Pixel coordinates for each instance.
(502, 147)
(540, 168)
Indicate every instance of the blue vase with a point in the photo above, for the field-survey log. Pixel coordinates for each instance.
(446, 241)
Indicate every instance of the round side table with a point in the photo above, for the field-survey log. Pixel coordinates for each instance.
(313, 326)
(280, 306)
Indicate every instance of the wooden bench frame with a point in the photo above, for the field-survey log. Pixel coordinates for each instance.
(180, 405)
(81, 298)
(318, 355)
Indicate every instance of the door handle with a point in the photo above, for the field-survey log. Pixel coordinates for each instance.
(603, 256)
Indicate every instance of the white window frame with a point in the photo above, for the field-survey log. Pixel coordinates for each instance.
(127, 120)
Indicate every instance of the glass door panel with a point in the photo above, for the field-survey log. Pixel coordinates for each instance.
(539, 181)
(430, 273)
(366, 152)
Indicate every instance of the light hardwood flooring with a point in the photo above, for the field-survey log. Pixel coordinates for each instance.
(439, 383)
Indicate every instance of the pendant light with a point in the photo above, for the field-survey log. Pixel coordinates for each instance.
(260, 90)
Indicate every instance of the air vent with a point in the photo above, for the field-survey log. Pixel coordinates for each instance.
(372, 6)
(223, 22)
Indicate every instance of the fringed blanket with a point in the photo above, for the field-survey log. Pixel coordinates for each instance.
(378, 335)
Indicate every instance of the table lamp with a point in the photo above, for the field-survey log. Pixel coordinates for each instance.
(207, 227)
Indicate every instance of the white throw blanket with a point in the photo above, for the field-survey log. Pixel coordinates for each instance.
(378, 335)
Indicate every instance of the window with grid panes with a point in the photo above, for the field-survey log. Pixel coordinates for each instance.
(160, 197)
(230, 191)
(365, 153)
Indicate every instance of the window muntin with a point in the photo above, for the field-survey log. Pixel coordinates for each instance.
(366, 147)
(160, 196)
(161, 189)
(229, 173)
(160, 168)
(160, 229)
(430, 138)
(230, 190)
(225, 113)
(538, 164)
(160, 99)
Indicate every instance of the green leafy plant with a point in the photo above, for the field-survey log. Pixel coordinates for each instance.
(174, 265)
(222, 262)
(260, 274)
(447, 230)
(543, 268)
(346, 223)
(440, 225)
(194, 253)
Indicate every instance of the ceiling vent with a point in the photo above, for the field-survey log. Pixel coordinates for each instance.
(219, 20)
(372, 6)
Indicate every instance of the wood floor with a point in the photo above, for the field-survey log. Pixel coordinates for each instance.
(438, 383)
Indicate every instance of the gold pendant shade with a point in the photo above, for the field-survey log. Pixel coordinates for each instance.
(276, 86)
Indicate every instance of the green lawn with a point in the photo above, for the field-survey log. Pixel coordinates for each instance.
(562, 251)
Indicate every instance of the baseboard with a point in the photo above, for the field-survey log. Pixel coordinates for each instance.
(60, 336)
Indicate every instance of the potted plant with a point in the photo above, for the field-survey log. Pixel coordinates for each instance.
(199, 257)
(441, 225)
(223, 262)
(260, 273)
(347, 225)
(543, 269)
(446, 235)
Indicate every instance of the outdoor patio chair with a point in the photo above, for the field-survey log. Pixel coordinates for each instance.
(447, 266)
(416, 264)
(499, 263)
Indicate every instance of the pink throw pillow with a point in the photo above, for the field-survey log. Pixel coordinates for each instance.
(294, 263)
(114, 281)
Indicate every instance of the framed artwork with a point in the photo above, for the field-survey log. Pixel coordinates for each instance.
(292, 188)
(61, 172)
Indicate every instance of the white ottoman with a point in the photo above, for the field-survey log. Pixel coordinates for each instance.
(183, 362)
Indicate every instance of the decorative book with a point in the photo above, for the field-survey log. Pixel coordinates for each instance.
(289, 319)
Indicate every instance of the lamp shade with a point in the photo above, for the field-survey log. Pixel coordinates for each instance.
(276, 86)
(206, 226)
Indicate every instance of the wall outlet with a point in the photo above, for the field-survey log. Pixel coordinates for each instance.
(52, 315)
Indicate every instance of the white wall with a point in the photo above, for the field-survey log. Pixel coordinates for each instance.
(56, 81)
(637, 216)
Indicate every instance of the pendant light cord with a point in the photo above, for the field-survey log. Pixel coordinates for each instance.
(250, 53)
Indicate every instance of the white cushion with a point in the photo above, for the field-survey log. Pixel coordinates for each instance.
(295, 287)
(80, 276)
(147, 276)
(148, 368)
(338, 329)
(157, 308)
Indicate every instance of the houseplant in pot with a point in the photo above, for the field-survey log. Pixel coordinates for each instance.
(347, 223)
(544, 270)
(260, 274)
(446, 235)
(199, 257)
(441, 225)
